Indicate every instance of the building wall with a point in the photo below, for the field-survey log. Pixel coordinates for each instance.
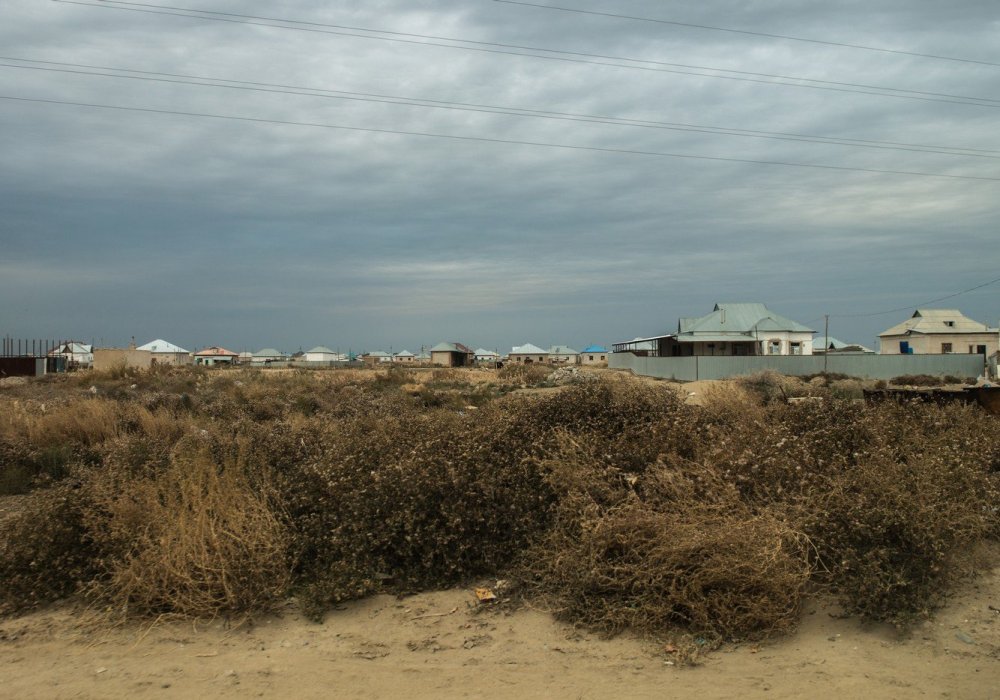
(930, 343)
(687, 369)
(522, 358)
(564, 359)
(593, 358)
(450, 359)
(111, 358)
(171, 358)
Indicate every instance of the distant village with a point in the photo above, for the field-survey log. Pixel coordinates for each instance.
(738, 330)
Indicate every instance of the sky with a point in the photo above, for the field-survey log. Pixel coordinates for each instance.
(390, 174)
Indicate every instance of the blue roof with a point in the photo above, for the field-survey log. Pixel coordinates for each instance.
(595, 348)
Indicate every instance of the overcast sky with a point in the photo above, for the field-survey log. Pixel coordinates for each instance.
(333, 228)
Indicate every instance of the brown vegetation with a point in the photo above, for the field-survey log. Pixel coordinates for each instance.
(613, 503)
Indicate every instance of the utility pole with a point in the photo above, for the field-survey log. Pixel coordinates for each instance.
(826, 340)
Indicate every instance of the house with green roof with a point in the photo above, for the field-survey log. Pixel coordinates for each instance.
(730, 329)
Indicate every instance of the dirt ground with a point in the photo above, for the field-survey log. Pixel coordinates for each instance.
(435, 645)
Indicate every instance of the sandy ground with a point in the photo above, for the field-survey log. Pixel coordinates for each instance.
(435, 645)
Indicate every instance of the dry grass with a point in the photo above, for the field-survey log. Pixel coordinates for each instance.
(614, 502)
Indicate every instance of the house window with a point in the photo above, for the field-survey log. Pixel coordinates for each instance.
(591, 358)
(945, 347)
(950, 324)
(795, 348)
(774, 347)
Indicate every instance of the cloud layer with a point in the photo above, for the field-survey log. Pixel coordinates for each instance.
(208, 230)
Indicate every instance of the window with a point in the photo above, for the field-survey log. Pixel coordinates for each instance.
(945, 347)
(774, 347)
(591, 358)
(795, 348)
(950, 324)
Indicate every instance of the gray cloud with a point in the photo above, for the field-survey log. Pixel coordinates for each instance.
(213, 231)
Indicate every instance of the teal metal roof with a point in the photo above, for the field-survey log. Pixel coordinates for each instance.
(594, 348)
(740, 318)
(321, 349)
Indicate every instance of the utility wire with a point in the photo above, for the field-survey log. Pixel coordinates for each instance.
(553, 54)
(916, 306)
(730, 30)
(485, 139)
(204, 81)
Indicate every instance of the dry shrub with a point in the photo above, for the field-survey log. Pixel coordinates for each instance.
(45, 550)
(771, 386)
(672, 546)
(519, 374)
(196, 538)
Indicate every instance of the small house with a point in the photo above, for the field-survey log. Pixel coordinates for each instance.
(452, 355)
(215, 356)
(563, 355)
(527, 354)
(164, 353)
(939, 331)
(594, 355)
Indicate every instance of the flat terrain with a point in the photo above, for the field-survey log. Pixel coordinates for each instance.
(434, 645)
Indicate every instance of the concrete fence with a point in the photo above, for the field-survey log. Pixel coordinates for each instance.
(689, 369)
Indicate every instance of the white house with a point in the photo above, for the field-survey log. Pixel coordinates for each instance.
(730, 329)
(933, 331)
(164, 353)
(76, 354)
(483, 355)
(404, 357)
(321, 354)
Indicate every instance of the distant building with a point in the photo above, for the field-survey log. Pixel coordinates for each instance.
(939, 331)
(561, 354)
(266, 356)
(77, 355)
(321, 354)
(164, 353)
(215, 356)
(452, 355)
(730, 329)
(404, 357)
(594, 355)
(528, 353)
(487, 356)
(832, 345)
(376, 358)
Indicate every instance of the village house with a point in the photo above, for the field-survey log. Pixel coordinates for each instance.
(487, 356)
(321, 353)
(215, 356)
(939, 331)
(730, 329)
(528, 353)
(594, 355)
(164, 353)
(77, 355)
(404, 357)
(375, 358)
(452, 355)
(266, 356)
(563, 355)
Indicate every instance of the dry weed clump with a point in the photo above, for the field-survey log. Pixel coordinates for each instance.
(612, 501)
(669, 546)
(196, 538)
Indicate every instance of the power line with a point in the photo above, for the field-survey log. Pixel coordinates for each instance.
(182, 79)
(916, 306)
(554, 54)
(730, 30)
(513, 142)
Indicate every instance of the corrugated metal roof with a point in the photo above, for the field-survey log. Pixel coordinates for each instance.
(160, 345)
(215, 351)
(481, 352)
(716, 338)
(269, 352)
(562, 350)
(594, 348)
(740, 318)
(451, 347)
(937, 321)
(321, 349)
(404, 353)
(528, 349)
